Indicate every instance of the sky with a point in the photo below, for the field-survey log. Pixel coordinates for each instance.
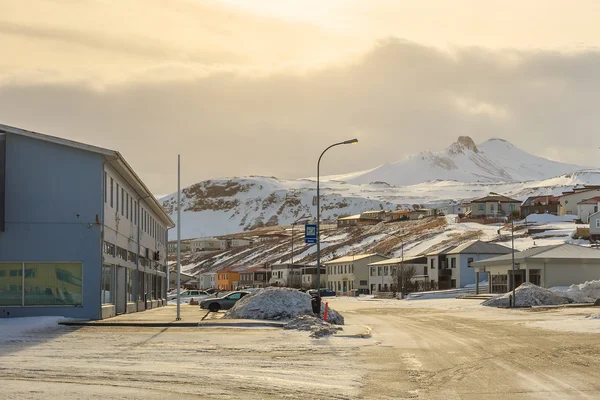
(261, 87)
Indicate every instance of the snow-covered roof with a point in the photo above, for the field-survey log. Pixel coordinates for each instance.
(479, 247)
(111, 156)
(561, 252)
(399, 260)
(495, 198)
(357, 216)
(356, 257)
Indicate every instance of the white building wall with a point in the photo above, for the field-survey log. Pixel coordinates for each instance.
(568, 203)
(585, 210)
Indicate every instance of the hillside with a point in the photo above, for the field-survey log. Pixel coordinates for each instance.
(494, 160)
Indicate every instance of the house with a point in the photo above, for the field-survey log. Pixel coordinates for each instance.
(286, 275)
(382, 274)
(540, 205)
(418, 214)
(439, 270)
(453, 208)
(351, 220)
(396, 215)
(75, 216)
(255, 277)
(494, 205)
(587, 207)
(374, 215)
(267, 237)
(309, 277)
(172, 246)
(228, 278)
(546, 266)
(349, 273)
(207, 280)
(239, 242)
(568, 201)
(594, 221)
(207, 244)
(366, 218)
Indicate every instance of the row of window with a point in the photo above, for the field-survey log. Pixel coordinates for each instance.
(342, 286)
(129, 208)
(41, 284)
(130, 256)
(148, 286)
(340, 269)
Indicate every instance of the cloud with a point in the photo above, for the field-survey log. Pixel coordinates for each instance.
(398, 98)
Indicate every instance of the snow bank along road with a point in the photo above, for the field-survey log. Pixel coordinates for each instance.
(429, 349)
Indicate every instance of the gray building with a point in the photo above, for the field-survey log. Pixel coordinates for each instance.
(80, 233)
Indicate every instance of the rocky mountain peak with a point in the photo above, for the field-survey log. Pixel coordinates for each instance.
(463, 143)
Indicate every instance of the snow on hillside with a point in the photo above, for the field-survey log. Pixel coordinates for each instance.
(494, 160)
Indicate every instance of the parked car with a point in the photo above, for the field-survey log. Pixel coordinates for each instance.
(324, 292)
(196, 294)
(223, 302)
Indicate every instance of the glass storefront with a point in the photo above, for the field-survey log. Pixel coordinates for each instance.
(108, 284)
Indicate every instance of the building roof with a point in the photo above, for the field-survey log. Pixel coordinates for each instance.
(232, 268)
(442, 251)
(399, 260)
(374, 212)
(479, 247)
(356, 257)
(357, 216)
(258, 268)
(564, 251)
(593, 200)
(495, 198)
(112, 157)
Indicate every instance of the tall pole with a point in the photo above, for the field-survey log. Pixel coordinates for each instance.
(178, 237)
(292, 254)
(512, 236)
(352, 141)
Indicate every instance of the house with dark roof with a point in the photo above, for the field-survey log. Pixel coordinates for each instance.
(494, 206)
(540, 205)
(451, 266)
(546, 266)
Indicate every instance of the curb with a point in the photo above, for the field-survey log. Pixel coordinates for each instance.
(368, 333)
(176, 324)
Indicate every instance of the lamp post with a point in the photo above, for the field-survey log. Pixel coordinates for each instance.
(351, 141)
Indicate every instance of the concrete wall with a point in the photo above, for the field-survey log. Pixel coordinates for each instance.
(53, 197)
(568, 274)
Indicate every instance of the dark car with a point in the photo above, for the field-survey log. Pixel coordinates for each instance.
(224, 302)
(324, 292)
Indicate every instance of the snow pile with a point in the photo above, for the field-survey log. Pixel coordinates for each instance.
(333, 317)
(528, 295)
(587, 292)
(12, 329)
(317, 327)
(594, 316)
(272, 304)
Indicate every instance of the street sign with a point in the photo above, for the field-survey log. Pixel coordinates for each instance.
(310, 234)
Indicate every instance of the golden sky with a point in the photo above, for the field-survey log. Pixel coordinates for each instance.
(279, 75)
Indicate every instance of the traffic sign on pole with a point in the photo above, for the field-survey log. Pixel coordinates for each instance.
(310, 233)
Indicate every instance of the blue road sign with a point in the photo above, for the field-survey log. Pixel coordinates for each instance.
(310, 234)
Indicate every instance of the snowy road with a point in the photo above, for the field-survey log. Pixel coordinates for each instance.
(438, 349)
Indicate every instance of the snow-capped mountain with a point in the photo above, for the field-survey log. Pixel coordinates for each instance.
(494, 160)
(462, 172)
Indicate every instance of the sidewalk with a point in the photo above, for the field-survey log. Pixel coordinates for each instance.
(191, 316)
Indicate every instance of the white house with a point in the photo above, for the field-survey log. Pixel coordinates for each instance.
(349, 273)
(570, 200)
(286, 275)
(240, 242)
(451, 267)
(587, 207)
(382, 273)
(494, 205)
(207, 244)
(546, 266)
(207, 280)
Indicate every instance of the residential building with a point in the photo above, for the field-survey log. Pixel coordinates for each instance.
(439, 269)
(207, 280)
(286, 275)
(546, 266)
(540, 205)
(569, 200)
(208, 244)
(587, 207)
(74, 215)
(351, 220)
(366, 218)
(420, 213)
(255, 277)
(594, 221)
(382, 274)
(228, 278)
(172, 246)
(309, 277)
(396, 215)
(349, 273)
(239, 242)
(494, 206)
(267, 237)
(452, 208)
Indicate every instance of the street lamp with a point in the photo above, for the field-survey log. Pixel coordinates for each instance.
(351, 141)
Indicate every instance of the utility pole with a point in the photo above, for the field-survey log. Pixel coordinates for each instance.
(178, 237)
(512, 236)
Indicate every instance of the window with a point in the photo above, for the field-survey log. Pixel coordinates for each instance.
(109, 249)
(123, 205)
(373, 270)
(108, 275)
(431, 263)
(135, 213)
(117, 196)
(111, 192)
(127, 206)
(386, 270)
(363, 283)
(132, 257)
(453, 262)
(105, 187)
(140, 282)
(11, 285)
(492, 207)
(481, 207)
(452, 283)
(131, 274)
(235, 296)
(345, 269)
(469, 261)
(378, 271)
(598, 223)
